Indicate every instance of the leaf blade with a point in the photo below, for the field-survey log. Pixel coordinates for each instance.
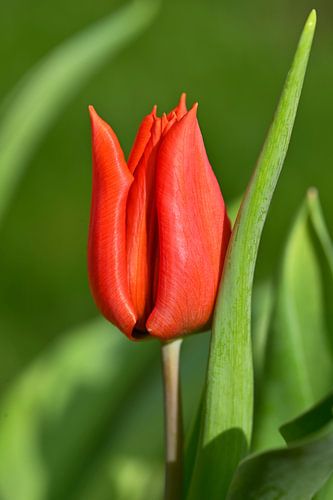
(294, 473)
(227, 424)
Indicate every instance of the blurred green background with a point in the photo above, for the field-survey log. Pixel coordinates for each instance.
(232, 57)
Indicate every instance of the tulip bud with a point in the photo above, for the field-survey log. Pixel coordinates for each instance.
(158, 229)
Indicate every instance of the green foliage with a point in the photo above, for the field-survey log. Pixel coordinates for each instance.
(56, 416)
(298, 360)
(75, 423)
(296, 472)
(44, 92)
(76, 426)
(84, 420)
(227, 412)
(262, 309)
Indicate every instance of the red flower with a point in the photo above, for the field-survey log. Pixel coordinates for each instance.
(159, 228)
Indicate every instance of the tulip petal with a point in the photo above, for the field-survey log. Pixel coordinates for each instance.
(107, 244)
(141, 140)
(193, 229)
(142, 241)
(180, 110)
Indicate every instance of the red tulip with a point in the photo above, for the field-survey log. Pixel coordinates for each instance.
(159, 228)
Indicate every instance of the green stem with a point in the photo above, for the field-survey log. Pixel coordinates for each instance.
(173, 420)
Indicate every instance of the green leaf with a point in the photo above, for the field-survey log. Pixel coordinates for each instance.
(296, 472)
(325, 259)
(44, 92)
(262, 309)
(131, 466)
(319, 224)
(325, 256)
(227, 423)
(85, 420)
(191, 445)
(300, 339)
(309, 422)
(193, 433)
(59, 412)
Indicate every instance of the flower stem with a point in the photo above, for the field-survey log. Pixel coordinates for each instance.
(173, 420)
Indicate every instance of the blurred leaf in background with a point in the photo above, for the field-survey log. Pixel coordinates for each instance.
(298, 365)
(88, 414)
(58, 415)
(43, 93)
(296, 472)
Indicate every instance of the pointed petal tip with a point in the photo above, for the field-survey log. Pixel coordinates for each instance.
(182, 99)
(95, 119)
(154, 111)
(92, 111)
(181, 108)
(193, 111)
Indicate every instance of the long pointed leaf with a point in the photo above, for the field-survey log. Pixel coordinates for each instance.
(227, 424)
(294, 473)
